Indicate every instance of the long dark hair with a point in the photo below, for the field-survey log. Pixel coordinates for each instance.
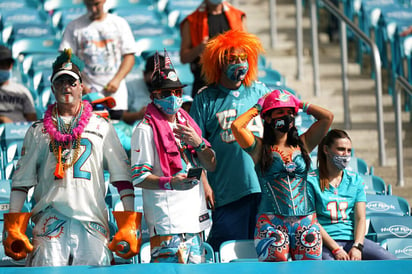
(328, 140)
(269, 139)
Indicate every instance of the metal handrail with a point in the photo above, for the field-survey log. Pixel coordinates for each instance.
(344, 21)
(401, 84)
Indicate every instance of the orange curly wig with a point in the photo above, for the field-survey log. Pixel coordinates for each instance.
(213, 57)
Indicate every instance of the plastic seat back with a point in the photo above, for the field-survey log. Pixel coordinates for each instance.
(237, 250)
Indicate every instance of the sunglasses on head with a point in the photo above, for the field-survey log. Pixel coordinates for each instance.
(168, 92)
(232, 57)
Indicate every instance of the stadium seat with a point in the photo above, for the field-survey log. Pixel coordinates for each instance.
(237, 251)
(18, 4)
(145, 253)
(271, 78)
(401, 248)
(158, 42)
(386, 205)
(140, 14)
(61, 17)
(51, 5)
(384, 226)
(17, 16)
(358, 165)
(374, 184)
(30, 45)
(112, 4)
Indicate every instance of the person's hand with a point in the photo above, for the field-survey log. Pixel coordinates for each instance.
(181, 182)
(209, 194)
(112, 86)
(342, 255)
(355, 254)
(187, 134)
(4, 119)
(406, 32)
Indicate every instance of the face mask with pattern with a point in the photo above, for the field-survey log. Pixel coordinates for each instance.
(5, 75)
(282, 123)
(169, 105)
(237, 72)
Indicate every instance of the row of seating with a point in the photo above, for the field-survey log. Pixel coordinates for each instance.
(383, 21)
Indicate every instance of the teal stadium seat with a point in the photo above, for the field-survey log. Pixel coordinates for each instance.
(237, 251)
(389, 226)
(386, 205)
(401, 248)
(374, 184)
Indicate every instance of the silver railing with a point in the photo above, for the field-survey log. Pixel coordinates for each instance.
(401, 85)
(376, 64)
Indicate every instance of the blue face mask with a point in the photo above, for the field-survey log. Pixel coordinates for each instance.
(237, 72)
(169, 105)
(5, 75)
(215, 2)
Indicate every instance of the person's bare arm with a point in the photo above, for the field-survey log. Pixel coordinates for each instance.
(125, 67)
(188, 53)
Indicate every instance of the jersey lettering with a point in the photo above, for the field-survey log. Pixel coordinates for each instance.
(332, 207)
(77, 167)
(226, 119)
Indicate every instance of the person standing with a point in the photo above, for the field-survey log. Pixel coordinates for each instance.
(340, 201)
(166, 146)
(106, 45)
(16, 102)
(211, 18)
(63, 159)
(286, 225)
(229, 63)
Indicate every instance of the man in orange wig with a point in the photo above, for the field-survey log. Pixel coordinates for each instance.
(229, 64)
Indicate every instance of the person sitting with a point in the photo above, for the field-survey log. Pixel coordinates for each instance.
(340, 202)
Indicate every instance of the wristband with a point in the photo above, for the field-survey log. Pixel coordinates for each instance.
(201, 147)
(305, 106)
(165, 183)
(336, 250)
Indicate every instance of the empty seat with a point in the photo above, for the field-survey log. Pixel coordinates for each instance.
(386, 205)
(374, 184)
(237, 251)
(401, 248)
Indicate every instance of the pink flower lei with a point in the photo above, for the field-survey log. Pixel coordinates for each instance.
(77, 131)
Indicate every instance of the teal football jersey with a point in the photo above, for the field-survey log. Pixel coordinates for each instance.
(335, 207)
(214, 109)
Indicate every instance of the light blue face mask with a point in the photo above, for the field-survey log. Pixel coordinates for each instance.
(237, 72)
(5, 74)
(169, 105)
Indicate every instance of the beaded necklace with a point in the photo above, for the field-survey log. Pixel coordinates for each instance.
(65, 138)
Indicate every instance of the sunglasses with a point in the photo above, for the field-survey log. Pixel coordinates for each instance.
(63, 80)
(168, 92)
(234, 57)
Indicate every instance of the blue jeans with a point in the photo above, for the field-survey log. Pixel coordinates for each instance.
(234, 221)
(371, 251)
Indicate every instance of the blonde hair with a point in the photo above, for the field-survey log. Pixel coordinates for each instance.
(213, 57)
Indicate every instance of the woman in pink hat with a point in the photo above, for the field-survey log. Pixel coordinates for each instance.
(286, 226)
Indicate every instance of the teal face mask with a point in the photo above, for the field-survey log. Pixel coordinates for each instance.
(169, 105)
(4, 75)
(237, 72)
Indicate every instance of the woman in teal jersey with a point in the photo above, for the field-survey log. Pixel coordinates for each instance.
(286, 223)
(340, 202)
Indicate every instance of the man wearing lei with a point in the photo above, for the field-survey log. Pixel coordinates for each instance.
(63, 158)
